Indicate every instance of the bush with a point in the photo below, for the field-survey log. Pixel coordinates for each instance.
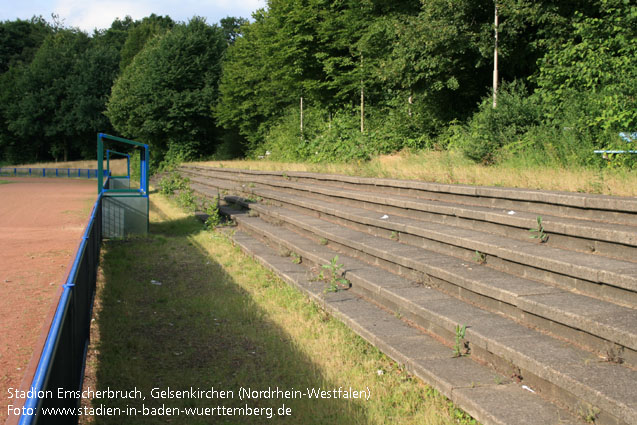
(489, 130)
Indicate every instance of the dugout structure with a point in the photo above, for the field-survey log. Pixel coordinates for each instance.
(124, 208)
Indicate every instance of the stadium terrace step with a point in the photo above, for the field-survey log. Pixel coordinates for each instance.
(564, 232)
(560, 314)
(619, 210)
(486, 395)
(591, 322)
(553, 369)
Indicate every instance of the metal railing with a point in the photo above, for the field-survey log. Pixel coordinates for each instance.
(61, 364)
(89, 173)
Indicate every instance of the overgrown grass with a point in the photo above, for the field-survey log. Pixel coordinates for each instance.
(118, 166)
(219, 319)
(453, 167)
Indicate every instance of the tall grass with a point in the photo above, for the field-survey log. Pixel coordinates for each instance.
(185, 308)
(452, 167)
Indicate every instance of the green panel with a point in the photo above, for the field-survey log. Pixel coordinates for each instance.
(119, 183)
(124, 215)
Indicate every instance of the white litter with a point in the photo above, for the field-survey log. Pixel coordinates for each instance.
(155, 282)
(527, 388)
(511, 212)
(380, 372)
(384, 217)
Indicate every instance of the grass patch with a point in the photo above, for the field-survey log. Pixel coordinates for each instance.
(452, 167)
(219, 319)
(5, 181)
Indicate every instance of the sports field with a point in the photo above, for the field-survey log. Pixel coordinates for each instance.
(41, 223)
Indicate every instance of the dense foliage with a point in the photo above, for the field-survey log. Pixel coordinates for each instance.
(166, 94)
(330, 80)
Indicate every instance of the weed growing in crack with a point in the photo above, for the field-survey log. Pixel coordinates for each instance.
(335, 282)
(538, 232)
(296, 258)
(459, 348)
(480, 257)
(589, 414)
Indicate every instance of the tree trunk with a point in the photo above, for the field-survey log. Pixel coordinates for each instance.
(301, 117)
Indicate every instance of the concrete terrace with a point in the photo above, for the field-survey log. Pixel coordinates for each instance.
(545, 283)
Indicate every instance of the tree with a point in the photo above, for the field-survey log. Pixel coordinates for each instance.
(231, 27)
(166, 94)
(19, 40)
(141, 32)
(40, 115)
(595, 71)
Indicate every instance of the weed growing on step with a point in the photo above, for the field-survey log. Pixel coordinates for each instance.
(173, 182)
(538, 232)
(296, 258)
(460, 347)
(614, 354)
(394, 236)
(253, 213)
(589, 414)
(186, 199)
(480, 257)
(214, 217)
(323, 241)
(335, 282)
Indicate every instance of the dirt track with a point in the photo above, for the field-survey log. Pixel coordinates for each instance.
(41, 223)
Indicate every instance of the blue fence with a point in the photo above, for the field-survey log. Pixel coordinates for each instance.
(87, 173)
(61, 364)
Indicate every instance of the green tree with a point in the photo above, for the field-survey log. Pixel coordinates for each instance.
(20, 39)
(40, 114)
(593, 75)
(165, 96)
(140, 33)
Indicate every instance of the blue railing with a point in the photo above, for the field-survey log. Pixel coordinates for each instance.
(61, 364)
(89, 173)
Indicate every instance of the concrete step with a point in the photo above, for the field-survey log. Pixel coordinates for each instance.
(571, 377)
(603, 327)
(600, 238)
(602, 208)
(594, 275)
(482, 392)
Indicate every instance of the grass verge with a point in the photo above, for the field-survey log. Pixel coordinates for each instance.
(118, 166)
(219, 319)
(452, 167)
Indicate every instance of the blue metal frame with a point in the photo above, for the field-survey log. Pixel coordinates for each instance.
(89, 173)
(144, 162)
(628, 138)
(88, 250)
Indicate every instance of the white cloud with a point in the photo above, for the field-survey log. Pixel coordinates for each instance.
(90, 14)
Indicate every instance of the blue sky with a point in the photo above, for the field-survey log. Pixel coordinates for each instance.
(90, 14)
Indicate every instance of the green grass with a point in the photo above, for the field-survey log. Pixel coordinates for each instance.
(452, 167)
(221, 320)
(5, 182)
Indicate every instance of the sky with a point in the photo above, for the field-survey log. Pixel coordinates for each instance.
(90, 14)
